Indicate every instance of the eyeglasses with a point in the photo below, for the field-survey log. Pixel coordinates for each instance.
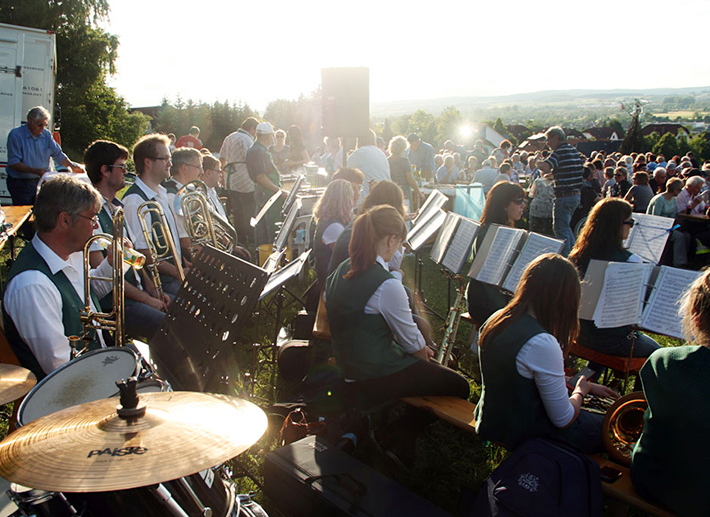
(519, 201)
(195, 166)
(630, 223)
(160, 158)
(94, 219)
(118, 167)
(218, 171)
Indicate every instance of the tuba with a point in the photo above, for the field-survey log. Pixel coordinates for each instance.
(204, 225)
(159, 241)
(99, 320)
(623, 425)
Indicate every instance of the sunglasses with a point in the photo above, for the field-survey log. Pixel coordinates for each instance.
(630, 223)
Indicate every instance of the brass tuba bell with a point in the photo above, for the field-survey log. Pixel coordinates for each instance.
(623, 425)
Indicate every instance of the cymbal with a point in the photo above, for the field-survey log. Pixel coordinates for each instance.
(89, 448)
(15, 381)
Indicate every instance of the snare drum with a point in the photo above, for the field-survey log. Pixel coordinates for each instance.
(91, 376)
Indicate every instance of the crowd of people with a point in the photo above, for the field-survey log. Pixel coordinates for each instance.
(382, 346)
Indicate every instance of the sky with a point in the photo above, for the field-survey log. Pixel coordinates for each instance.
(258, 51)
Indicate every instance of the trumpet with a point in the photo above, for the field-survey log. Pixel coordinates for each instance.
(159, 241)
(99, 320)
(203, 223)
(452, 321)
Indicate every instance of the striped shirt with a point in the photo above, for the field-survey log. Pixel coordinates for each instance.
(566, 169)
(234, 152)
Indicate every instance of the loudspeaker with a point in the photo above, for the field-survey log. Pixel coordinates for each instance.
(346, 101)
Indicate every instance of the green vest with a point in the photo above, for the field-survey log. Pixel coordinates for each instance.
(131, 276)
(670, 459)
(30, 259)
(171, 186)
(510, 408)
(364, 344)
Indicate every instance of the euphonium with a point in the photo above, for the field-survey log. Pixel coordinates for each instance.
(623, 425)
(204, 225)
(159, 241)
(104, 320)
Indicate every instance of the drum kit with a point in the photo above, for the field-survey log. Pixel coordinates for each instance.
(91, 443)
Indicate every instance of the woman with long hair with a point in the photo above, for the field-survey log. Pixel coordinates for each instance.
(331, 213)
(675, 428)
(376, 342)
(602, 238)
(297, 154)
(505, 204)
(522, 348)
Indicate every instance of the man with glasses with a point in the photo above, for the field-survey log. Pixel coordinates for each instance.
(29, 148)
(45, 289)
(152, 159)
(566, 167)
(187, 167)
(105, 164)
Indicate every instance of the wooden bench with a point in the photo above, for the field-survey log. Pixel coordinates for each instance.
(454, 410)
(623, 490)
(321, 328)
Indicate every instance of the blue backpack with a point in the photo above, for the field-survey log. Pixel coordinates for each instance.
(542, 477)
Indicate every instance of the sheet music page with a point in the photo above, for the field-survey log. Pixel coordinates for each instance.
(425, 231)
(648, 236)
(622, 294)
(535, 245)
(498, 258)
(435, 200)
(460, 246)
(444, 236)
(287, 227)
(284, 274)
(661, 313)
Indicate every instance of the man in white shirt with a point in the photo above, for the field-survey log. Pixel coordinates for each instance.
(45, 290)
(689, 201)
(370, 160)
(152, 158)
(187, 167)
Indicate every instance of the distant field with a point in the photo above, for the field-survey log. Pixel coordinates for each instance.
(681, 114)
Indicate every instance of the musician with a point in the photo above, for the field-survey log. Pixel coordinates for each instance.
(152, 159)
(601, 238)
(332, 212)
(522, 346)
(105, 164)
(45, 289)
(186, 167)
(670, 459)
(505, 204)
(376, 342)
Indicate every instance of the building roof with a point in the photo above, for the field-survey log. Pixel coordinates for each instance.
(663, 128)
(601, 133)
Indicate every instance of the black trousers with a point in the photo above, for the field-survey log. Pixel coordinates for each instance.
(243, 208)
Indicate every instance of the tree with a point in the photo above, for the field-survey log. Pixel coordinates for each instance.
(85, 55)
(423, 124)
(500, 127)
(616, 125)
(634, 141)
(448, 125)
(651, 140)
(700, 145)
(667, 146)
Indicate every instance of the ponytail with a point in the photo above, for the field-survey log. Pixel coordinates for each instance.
(368, 229)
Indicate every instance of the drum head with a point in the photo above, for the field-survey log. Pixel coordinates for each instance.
(89, 377)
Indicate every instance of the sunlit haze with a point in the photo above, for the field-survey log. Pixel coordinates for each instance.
(256, 52)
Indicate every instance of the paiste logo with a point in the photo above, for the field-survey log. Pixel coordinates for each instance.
(119, 451)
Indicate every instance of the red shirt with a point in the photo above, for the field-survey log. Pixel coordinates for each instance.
(188, 141)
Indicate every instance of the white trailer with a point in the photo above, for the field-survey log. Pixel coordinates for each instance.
(28, 69)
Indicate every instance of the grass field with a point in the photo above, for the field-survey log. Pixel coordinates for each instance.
(689, 114)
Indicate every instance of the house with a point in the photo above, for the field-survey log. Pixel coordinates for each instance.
(666, 127)
(601, 133)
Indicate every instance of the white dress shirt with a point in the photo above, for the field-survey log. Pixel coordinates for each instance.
(34, 304)
(390, 300)
(130, 209)
(216, 203)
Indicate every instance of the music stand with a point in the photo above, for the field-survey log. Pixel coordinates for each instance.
(193, 346)
(287, 226)
(269, 203)
(292, 194)
(427, 225)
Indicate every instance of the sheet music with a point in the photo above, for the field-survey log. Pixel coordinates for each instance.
(442, 239)
(498, 257)
(622, 294)
(661, 313)
(292, 194)
(423, 232)
(284, 274)
(287, 226)
(460, 246)
(535, 245)
(648, 236)
(435, 201)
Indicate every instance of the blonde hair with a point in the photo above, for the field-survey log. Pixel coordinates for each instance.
(369, 228)
(336, 203)
(695, 310)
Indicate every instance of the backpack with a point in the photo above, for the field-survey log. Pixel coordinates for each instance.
(542, 477)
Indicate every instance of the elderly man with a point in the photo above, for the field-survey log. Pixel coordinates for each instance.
(105, 163)
(421, 155)
(152, 159)
(658, 182)
(265, 175)
(45, 289)
(566, 167)
(29, 148)
(690, 201)
(369, 159)
(233, 156)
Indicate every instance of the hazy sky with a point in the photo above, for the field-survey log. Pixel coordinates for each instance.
(263, 50)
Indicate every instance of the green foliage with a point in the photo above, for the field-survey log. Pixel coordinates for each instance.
(683, 146)
(303, 112)
(500, 127)
(85, 55)
(616, 125)
(651, 140)
(448, 125)
(700, 145)
(667, 146)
